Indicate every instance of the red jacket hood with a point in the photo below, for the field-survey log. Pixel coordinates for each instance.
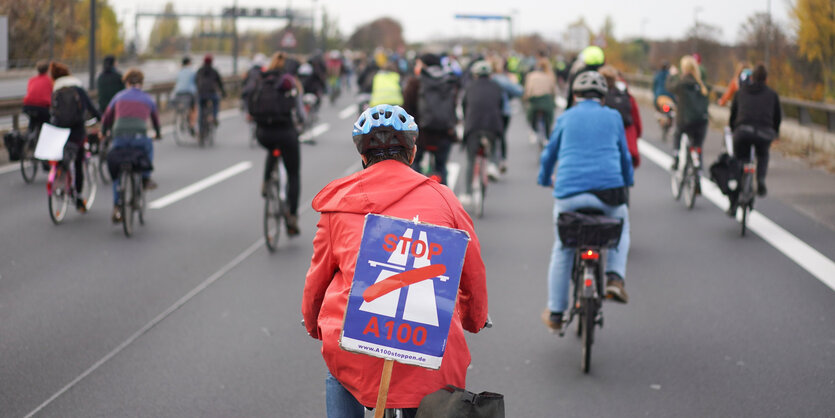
(391, 179)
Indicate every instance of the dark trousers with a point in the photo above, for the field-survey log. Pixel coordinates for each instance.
(37, 116)
(695, 131)
(503, 139)
(440, 149)
(286, 140)
(743, 141)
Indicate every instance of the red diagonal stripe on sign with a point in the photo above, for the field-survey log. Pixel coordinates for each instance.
(402, 280)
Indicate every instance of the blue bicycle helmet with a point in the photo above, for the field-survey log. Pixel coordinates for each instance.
(384, 126)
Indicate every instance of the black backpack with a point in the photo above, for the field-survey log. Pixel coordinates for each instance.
(619, 100)
(270, 105)
(436, 103)
(67, 109)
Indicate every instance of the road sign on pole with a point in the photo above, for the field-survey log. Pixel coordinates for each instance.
(404, 290)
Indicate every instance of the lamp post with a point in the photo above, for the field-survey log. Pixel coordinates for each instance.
(92, 43)
(768, 35)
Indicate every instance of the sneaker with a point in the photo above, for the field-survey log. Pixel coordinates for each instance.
(492, 172)
(674, 167)
(552, 320)
(292, 223)
(503, 167)
(614, 288)
(465, 199)
(532, 137)
(149, 184)
(761, 190)
(81, 205)
(117, 215)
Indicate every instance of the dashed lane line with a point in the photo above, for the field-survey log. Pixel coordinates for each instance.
(201, 185)
(348, 112)
(810, 259)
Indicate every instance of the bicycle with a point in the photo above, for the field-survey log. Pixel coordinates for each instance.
(275, 208)
(206, 128)
(685, 178)
(60, 185)
(132, 162)
(182, 126)
(591, 234)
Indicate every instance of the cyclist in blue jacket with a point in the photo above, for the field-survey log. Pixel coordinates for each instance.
(594, 171)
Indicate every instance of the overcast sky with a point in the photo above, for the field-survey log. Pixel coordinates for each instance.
(428, 19)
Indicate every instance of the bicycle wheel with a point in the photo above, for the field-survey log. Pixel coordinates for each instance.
(140, 201)
(677, 182)
(28, 163)
(587, 319)
(273, 212)
(89, 187)
(126, 187)
(59, 196)
(179, 124)
(104, 168)
(689, 185)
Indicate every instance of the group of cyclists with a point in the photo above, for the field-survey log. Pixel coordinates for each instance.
(412, 111)
(755, 112)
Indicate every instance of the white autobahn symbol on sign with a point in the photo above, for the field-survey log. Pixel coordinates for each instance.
(420, 305)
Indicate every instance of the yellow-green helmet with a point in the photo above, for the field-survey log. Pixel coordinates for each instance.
(593, 55)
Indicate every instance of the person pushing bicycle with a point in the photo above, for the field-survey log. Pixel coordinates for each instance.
(594, 170)
(385, 137)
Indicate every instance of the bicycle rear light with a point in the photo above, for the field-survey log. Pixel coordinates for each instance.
(590, 255)
(588, 282)
(276, 153)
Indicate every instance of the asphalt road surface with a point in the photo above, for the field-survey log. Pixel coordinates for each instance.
(193, 317)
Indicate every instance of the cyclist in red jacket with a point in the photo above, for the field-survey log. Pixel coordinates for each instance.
(38, 97)
(385, 138)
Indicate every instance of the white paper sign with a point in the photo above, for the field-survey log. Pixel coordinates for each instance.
(51, 143)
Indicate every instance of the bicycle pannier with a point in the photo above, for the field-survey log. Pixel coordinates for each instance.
(454, 402)
(13, 141)
(127, 155)
(578, 230)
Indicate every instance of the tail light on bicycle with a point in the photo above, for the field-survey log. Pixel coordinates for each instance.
(590, 255)
(276, 153)
(695, 152)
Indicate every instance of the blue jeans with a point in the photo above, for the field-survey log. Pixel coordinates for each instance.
(562, 259)
(141, 142)
(340, 402)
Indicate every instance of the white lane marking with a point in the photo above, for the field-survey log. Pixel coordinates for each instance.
(316, 131)
(817, 264)
(177, 305)
(8, 168)
(348, 112)
(200, 185)
(452, 172)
